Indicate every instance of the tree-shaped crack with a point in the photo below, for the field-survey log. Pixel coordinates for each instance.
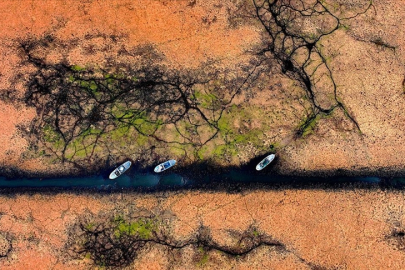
(295, 30)
(77, 105)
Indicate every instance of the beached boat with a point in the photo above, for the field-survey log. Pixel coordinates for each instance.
(266, 161)
(164, 166)
(120, 170)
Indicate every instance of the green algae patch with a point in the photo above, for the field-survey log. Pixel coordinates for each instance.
(143, 228)
(307, 125)
(77, 68)
(50, 135)
(204, 260)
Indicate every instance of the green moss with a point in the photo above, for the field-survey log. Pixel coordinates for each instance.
(204, 258)
(307, 126)
(50, 135)
(81, 153)
(206, 101)
(142, 228)
(202, 153)
(252, 136)
(236, 132)
(135, 127)
(140, 120)
(219, 150)
(119, 111)
(141, 140)
(77, 68)
(224, 125)
(93, 86)
(83, 84)
(90, 226)
(275, 145)
(147, 127)
(90, 86)
(345, 27)
(91, 131)
(110, 78)
(177, 151)
(119, 133)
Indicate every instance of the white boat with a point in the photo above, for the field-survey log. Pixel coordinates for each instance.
(120, 170)
(164, 166)
(266, 161)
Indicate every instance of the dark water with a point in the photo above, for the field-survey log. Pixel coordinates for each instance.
(175, 180)
(134, 180)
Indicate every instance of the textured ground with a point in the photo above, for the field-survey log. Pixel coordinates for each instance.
(360, 229)
(365, 56)
(183, 32)
(286, 229)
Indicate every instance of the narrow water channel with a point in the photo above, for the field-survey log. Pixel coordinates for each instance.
(173, 180)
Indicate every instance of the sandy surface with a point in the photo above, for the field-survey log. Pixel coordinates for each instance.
(342, 229)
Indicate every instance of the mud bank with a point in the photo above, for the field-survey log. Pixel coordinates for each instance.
(286, 229)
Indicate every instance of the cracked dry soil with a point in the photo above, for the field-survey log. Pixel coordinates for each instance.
(285, 229)
(330, 84)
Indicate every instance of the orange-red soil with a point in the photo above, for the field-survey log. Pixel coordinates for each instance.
(369, 76)
(343, 229)
(359, 229)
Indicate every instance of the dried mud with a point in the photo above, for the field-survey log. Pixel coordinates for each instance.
(282, 229)
(365, 56)
(285, 229)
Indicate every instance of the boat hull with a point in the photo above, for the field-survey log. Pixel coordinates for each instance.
(120, 170)
(266, 161)
(164, 166)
